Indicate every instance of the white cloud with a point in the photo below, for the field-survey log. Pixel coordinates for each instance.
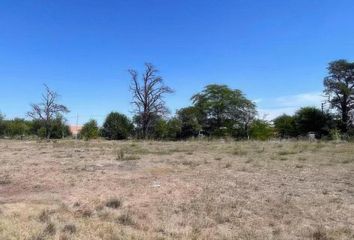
(273, 107)
(303, 99)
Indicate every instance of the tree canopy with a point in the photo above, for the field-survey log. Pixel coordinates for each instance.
(222, 110)
(339, 87)
(117, 126)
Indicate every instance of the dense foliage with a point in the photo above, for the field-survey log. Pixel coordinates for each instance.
(285, 126)
(117, 127)
(339, 87)
(90, 130)
(19, 127)
(222, 111)
(261, 130)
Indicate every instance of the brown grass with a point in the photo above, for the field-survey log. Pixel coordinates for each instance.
(77, 190)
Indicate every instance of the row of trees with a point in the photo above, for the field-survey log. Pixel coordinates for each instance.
(20, 127)
(217, 111)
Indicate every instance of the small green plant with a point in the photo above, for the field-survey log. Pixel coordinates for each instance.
(335, 134)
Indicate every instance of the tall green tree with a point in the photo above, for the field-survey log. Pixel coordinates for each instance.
(189, 123)
(339, 87)
(285, 126)
(221, 110)
(117, 126)
(311, 119)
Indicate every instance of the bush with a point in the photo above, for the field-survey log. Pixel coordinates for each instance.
(261, 130)
(17, 127)
(58, 128)
(285, 126)
(174, 128)
(117, 127)
(335, 134)
(189, 122)
(90, 130)
(311, 119)
(160, 129)
(2, 124)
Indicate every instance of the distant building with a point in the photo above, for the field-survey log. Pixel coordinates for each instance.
(75, 130)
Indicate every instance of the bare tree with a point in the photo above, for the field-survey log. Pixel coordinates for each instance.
(148, 96)
(48, 109)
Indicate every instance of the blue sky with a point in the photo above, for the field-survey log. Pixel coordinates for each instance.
(275, 51)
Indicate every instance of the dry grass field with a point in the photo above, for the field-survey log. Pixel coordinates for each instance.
(176, 190)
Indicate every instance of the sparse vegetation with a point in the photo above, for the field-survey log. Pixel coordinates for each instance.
(125, 219)
(69, 228)
(177, 190)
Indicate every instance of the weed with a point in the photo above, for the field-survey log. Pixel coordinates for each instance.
(120, 155)
(319, 234)
(44, 216)
(113, 203)
(239, 152)
(69, 228)
(283, 153)
(5, 180)
(126, 219)
(50, 229)
(228, 165)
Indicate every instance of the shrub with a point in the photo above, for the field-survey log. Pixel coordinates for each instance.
(285, 126)
(311, 119)
(2, 124)
(120, 154)
(261, 130)
(113, 203)
(125, 219)
(160, 129)
(90, 130)
(117, 127)
(188, 121)
(17, 127)
(335, 134)
(57, 127)
(174, 128)
(69, 228)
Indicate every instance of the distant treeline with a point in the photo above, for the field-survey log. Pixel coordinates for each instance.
(217, 111)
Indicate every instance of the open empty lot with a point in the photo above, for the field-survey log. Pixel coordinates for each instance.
(176, 190)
